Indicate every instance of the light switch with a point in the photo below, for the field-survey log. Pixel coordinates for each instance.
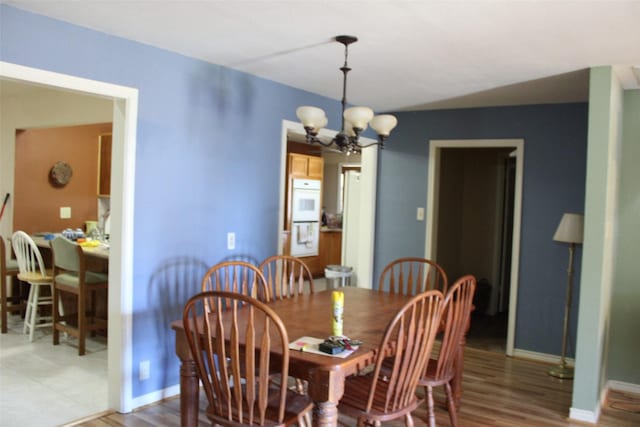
(231, 240)
(420, 214)
(65, 212)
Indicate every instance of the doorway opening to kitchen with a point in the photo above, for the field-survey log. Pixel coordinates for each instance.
(124, 118)
(332, 234)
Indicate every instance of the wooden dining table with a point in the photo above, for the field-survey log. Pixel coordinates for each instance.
(366, 315)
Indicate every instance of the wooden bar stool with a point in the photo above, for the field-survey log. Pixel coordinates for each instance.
(8, 268)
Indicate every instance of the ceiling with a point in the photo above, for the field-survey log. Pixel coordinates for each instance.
(410, 54)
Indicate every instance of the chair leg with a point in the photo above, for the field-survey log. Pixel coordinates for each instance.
(408, 420)
(82, 323)
(431, 416)
(55, 311)
(34, 311)
(451, 405)
(3, 301)
(27, 314)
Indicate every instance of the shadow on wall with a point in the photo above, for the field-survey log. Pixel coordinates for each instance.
(172, 284)
(242, 257)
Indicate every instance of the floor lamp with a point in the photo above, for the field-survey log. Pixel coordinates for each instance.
(570, 230)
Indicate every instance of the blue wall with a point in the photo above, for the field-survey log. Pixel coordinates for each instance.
(555, 139)
(207, 162)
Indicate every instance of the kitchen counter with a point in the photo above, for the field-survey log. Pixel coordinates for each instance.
(330, 230)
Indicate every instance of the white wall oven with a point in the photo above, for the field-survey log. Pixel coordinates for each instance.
(305, 217)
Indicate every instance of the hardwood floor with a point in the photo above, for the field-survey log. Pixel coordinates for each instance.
(498, 391)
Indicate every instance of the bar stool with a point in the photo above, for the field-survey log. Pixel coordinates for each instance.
(8, 268)
(32, 271)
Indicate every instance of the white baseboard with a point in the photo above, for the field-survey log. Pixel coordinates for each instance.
(540, 357)
(156, 396)
(583, 415)
(624, 387)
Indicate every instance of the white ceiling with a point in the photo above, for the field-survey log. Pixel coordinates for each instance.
(410, 54)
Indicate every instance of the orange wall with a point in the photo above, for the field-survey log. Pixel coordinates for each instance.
(36, 201)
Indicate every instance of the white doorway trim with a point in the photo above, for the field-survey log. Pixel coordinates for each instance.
(368, 180)
(125, 117)
(435, 147)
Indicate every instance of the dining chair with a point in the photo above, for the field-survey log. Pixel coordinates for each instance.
(8, 268)
(411, 276)
(441, 371)
(286, 276)
(238, 277)
(33, 271)
(70, 276)
(385, 395)
(240, 392)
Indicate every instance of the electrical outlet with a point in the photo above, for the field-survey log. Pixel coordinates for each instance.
(65, 212)
(420, 214)
(145, 370)
(231, 240)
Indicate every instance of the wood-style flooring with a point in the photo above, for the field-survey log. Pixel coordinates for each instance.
(498, 391)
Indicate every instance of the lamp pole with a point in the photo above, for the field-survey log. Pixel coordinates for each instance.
(563, 371)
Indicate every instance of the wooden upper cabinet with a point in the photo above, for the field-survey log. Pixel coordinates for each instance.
(104, 165)
(303, 166)
(315, 167)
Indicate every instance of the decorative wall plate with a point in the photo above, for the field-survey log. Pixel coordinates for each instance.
(60, 174)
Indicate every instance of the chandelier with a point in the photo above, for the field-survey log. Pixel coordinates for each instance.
(354, 119)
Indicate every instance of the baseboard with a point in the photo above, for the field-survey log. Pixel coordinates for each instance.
(540, 357)
(584, 416)
(624, 387)
(593, 416)
(156, 396)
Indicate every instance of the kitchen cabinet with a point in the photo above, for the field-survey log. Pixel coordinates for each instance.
(304, 166)
(332, 247)
(330, 253)
(104, 166)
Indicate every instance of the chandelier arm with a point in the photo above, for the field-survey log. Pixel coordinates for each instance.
(312, 138)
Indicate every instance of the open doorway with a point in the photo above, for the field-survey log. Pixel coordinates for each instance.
(365, 228)
(473, 227)
(124, 102)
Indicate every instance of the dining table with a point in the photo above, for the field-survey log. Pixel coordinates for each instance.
(366, 315)
(97, 256)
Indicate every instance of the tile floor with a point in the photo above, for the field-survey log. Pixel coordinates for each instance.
(42, 385)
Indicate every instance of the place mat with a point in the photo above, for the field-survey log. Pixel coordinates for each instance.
(310, 345)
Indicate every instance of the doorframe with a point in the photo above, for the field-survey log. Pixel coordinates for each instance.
(435, 148)
(125, 118)
(369, 171)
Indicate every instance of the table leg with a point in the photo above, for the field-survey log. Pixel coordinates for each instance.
(189, 394)
(189, 383)
(326, 388)
(325, 414)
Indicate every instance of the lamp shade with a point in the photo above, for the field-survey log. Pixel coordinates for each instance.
(570, 229)
(359, 117)
(383, 124)
(311, 117)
